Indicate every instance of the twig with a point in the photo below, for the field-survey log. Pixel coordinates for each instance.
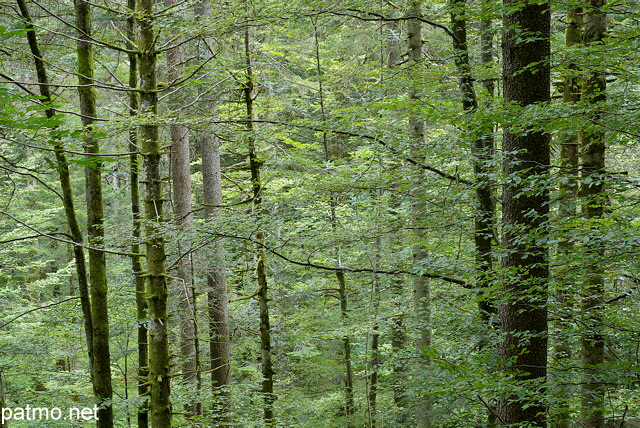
(38, 308)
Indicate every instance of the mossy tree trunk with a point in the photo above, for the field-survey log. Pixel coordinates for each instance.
(261, 268)
(159, 379)
(62, 166)
(136, 262)
(95, 219)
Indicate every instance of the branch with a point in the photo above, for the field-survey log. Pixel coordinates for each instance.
(38, 308)
(409, 160)
(66, 241)
(361, 15)
(308, 263)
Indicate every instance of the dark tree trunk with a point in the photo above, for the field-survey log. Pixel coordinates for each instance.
(136, 263)
(523, 315)
(159, 379)
(65, 182)
(95, 220)
(261, 269)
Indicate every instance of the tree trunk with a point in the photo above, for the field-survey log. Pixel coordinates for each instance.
(136, 263)
(219, 338)
(95, 220)
(523, 315)
(219, 341)
(182, 210)
(593, 193)
(65, 183)
(421, 286)
(159, 371)
(261, 269)
(562, 348)
(331, 154)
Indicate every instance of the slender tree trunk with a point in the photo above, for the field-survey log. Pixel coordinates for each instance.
(482, 156)
(482, 150)
(569, 154)
(219, 338)
(375, 350)
(331, 154)
(261, 269)
(159, 379)
(593, 193)
(182, 210)
(398, 329)
(219, 343)
(95, 220)
(136, 263)
(421, 285)
(65, 183)
(523, 315)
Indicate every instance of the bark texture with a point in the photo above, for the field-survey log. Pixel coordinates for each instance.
(136, 262)
(261, 267)
(65, 182)
(421, 285)
(525, 205)
(182, 210)
(592, 346)
(159, 371)
(219, 340)
(568, 189)
(95, 220)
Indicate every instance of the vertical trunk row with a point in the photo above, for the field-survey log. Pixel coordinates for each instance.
(523, 314)
(261, 269)
(136, 263)
(65, 182)
(182, 209)
(569, 154)
(95, 220)
(421, 286)
(159, 370)
(593, 194)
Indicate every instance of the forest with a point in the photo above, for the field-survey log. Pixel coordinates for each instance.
(319, 213)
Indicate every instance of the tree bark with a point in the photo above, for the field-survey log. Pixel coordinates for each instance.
(523, 315)
(65, 183)
(219, 340)
(136, 263)
(159, 379)
(219, 337)
(261, 268)
(182, 210)
(593, 194)
(421, 285)
(568, 189)
(95, 220)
